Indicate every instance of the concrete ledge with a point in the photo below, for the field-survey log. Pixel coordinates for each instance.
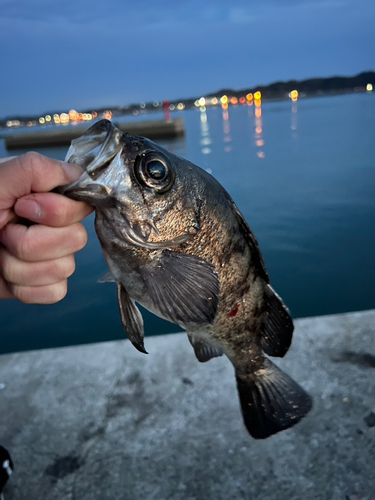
(62, 136)
(103, 421)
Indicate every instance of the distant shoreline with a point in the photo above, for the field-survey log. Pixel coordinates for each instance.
(277, 91)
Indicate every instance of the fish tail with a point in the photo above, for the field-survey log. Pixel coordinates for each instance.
(270, 400)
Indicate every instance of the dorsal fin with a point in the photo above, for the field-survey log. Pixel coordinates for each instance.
(252, 241)
(278, 325)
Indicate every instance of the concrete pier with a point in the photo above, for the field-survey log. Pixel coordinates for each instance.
(103, 421)
(62, 136)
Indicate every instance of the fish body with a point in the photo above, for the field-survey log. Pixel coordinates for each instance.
(176, 243)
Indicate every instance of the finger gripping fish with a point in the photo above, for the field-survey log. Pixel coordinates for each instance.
(176, 243)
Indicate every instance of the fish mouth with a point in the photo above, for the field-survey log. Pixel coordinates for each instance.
(96, 147)
(93, 152)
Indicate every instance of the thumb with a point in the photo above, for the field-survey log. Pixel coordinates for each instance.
(33, 172)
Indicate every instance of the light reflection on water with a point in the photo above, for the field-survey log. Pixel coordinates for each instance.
(310, 199)
(226, 125)
(205, 132)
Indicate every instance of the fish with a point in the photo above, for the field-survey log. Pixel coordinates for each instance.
(175, 242)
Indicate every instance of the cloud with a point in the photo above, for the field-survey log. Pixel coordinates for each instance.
(146, 12)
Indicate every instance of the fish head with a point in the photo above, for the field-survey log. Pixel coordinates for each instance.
(141, 192)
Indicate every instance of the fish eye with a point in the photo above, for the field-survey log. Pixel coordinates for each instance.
(153, 170)
(156, 170)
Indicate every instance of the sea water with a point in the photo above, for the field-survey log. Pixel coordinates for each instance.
(303, 175)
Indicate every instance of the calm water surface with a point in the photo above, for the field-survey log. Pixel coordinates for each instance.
(302, 174)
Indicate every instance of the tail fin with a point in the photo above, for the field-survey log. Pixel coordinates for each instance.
(271, 401)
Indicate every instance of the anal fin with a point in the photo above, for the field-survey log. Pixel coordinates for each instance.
(278, 325)
(203, 351)
(270, 400)
(131, 319)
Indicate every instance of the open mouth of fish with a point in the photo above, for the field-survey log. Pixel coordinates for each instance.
(106, 184)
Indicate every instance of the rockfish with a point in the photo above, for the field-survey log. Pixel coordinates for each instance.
(175, 242)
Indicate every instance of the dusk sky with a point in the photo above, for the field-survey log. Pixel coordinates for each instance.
(60, 54)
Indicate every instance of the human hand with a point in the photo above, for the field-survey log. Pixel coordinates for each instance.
(36, 261)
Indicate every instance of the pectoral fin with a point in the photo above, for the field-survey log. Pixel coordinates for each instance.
(131, 318)
(278, 325)
(203, 350)
(184, 288)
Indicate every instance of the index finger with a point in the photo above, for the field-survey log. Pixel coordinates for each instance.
(52, 209)
(33, 172)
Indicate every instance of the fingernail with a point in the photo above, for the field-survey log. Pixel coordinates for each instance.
(73, 172)
(28, 209)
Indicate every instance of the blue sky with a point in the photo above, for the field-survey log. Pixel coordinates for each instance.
(62, 54)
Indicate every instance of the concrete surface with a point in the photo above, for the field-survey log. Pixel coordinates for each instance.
(103, 421)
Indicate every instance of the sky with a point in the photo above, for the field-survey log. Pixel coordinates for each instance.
(60, 54)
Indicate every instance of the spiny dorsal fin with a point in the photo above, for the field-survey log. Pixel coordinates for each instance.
(203, 351)
(278, 325)
(131, 319)
(252, 241)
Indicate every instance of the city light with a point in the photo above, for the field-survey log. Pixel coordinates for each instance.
(369, 87)
(293, 95)
(202, 101)
(13, 123)
(64, 118)
(257, 99)
(249, 97)
(42, 120)
(73, 115)
(48, 118)
(224, 99)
